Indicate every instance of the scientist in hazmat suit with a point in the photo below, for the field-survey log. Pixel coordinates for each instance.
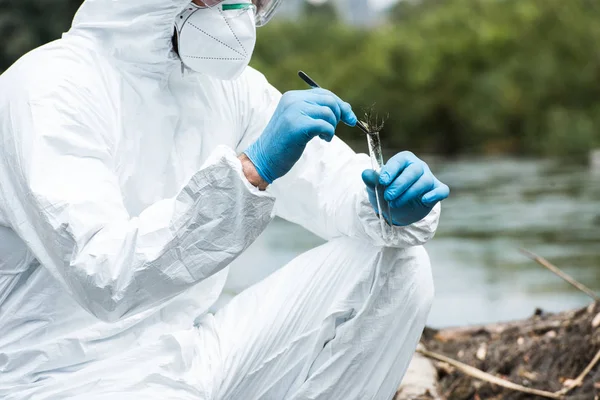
(140, 156)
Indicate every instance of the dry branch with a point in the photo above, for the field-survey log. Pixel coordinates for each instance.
(579, 380)
(484, 376)
(546, 264)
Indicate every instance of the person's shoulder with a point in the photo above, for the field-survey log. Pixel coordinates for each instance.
(56, 66)
(53, 87)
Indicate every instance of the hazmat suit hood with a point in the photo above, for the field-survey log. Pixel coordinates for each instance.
(136, 32)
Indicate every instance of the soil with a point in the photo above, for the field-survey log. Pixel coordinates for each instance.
(540, 352)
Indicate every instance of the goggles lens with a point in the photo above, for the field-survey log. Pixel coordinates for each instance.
(265, 9)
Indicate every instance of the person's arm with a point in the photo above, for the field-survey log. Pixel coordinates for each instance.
(57, 172)
(324, 191)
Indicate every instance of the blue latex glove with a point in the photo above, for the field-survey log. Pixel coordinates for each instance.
(408, 185)
(299, 117)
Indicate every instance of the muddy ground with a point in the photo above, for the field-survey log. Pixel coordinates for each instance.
(540, 352)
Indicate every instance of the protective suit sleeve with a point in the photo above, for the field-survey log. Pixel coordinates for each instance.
(66, 204)
(324, 191)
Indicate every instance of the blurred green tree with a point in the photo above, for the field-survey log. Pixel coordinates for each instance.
(498, 75)
(325, 11)
(459, 76)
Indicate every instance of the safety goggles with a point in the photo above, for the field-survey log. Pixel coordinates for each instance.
(263, 9)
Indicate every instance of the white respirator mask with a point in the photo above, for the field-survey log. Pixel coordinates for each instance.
(217, 41)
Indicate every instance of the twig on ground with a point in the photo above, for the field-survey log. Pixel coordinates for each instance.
(546, 264)
(579, 380)
(484, 376)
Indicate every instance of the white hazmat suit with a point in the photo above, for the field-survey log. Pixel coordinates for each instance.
(122, 202)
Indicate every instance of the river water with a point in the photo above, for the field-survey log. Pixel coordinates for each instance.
(496, 207)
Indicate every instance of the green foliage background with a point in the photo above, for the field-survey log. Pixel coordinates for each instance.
(455, 76)
(26, 24)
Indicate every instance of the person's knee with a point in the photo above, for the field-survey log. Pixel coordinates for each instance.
(411, 270)
(406, 272)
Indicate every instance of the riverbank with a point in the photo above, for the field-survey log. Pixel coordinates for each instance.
(555, 354)
(546, 356)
